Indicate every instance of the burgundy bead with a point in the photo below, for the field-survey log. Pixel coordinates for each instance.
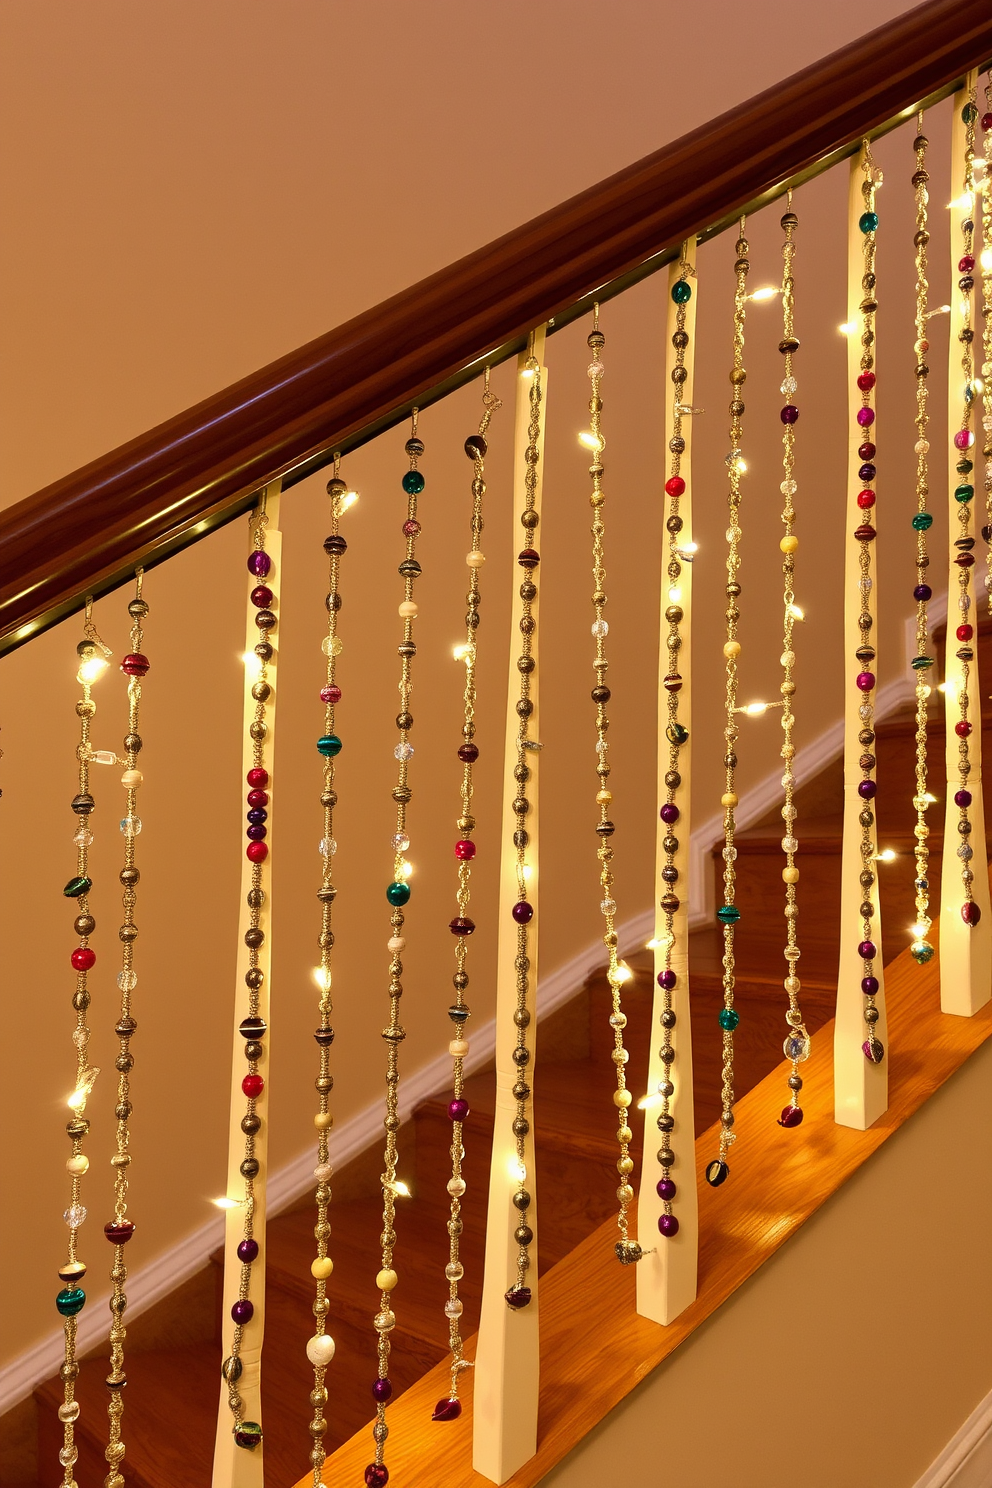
(256, 832)
(517, 1297)
(376, 1475)
(468, 753)
(411, 527)
(668, 1225)
(965, 560)
(970, 912)
(987, 121)
(866, 500)
(257, 778)
(923, 591)
(965, 263)
(789, 414)
(330, 694)
(962, 729)
(252, 1086)
(675, 485)
(962, 798)
(382, 1389)
(446, 1410)
(257, 852)
(461, 925)
(666, 1189)
(866, 417)
(457, 1109)
(528, 558)
(866, 381)
(866, 950)
(964, 632)
(791, 1116)
(243, 1310)
(867, 472)
(865, 533)
(869, 985)
(257, 798)
(262, 597)
(135, 665)
(867, 789)
(465, 850)
(83, 958)
(248, 1251)
(523, 912)
(119, 1233)
(666, 979)
(670, 813)
(865, 681)
(866, 451)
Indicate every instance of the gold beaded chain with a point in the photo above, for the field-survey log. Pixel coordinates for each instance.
(797, 1041)
(397, 895)
(248, 1434)
(519, 1294)
(985, 263)
(728, 913)
(121, 1228)
(320, 1347)
(627, 1250)
(864, 536)
(921, 949)
(964, 543)
(449, 1407)
(93, 655)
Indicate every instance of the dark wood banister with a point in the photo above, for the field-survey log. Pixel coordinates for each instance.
(85, 533)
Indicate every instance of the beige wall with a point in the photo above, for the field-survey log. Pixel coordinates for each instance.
(191, 190)
(853, 1356)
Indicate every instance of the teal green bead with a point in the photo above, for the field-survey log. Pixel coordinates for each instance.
(922, 522)
(681, 292)
(329, 745)
(921, 952)
(728, 914)
(70, 1301)
(728, 1019)
(922, 663)
(868, 221)
(969, 113)
(963, 493)
(413, 483)
(398, 893)
(76, 887)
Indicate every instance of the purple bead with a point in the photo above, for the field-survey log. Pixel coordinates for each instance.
(258, 815)
(923, 591)
(867, 472)
(458, 1109)
(874, 1050)
(243, 1311)
(869, 986)
(670, 812)
(791, 1116)
(256, 833)
(866, 950)
(668, 1225)
(376, 1475)
(382, 1389)
(865, 681)
(259, 564)
(964, 439)
(970, 912)
(866, 417)
(867, 789)
(962, 798)
(789, 414)
(666, 1189)
(523, 912)
(666, 979)
(446, 1410)
(248, 1251)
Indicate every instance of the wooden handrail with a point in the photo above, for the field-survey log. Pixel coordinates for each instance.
(162, 491)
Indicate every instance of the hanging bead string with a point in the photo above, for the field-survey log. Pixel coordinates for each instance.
(865, 536)
(248, 1434)
(120, 1229)
(519, 1294)
(92, 654)
(986, 268)
(676, 735)
(449, 1407)
(964, 439)
(397, 894)
(728, 914)
(320, 1348)
(921, 949)
(627, 1250)
(797, 1042)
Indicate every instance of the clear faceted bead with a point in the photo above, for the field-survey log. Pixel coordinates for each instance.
(608, 907)
(796, 1047)
(400, 841)
(130, 825)
(600, 627)
(127, 980)
(327, 847)
(788, 488)
(403, 750)
(74, 1216)
(83, 838)
(453, 1309)
(789, 845)
(789, 386)
(332, 645)
(730, 854)
(81, 1037)
(454, 1271)
(595, 369)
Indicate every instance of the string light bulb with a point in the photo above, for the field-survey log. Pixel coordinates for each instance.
(887, 855)
(767, 292)
(591, 441)
(92, 669)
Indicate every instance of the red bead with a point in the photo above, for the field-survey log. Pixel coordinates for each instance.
(83, 958)
(262, 597)
(258, 798)
(257, 852)
(252, 1085)
(465, 851)
(964, 632)
(866, 381)
(965, 264)
(135, 665)
(411, 528)
(962, 729)
(987, 121)
(970, 912)
(330, 694)
(258, 779)
(675, 485)
(866, 500)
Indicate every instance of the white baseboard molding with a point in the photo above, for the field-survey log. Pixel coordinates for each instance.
(966, 1461)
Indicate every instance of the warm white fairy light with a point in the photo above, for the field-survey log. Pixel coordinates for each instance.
(887, 855)
(93, 668)
(767, 292)
(590, 440)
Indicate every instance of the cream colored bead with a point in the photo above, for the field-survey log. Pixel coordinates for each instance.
(732, 649)
(323, 1121)
(131, 779)
(789, 543)
(604, 797)
(475, 560)
(790, 875)
(386, 1279)
(322, 1172)
(456, 1187)
(622, 1097)
(788, 658)
(77, 1165)
(321, 1268)
(408, 610)
(458, 1048)
(396, 944)
(728, 799)
(320, 1349)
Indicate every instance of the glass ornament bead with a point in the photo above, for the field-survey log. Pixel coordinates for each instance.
(866, 417)
(595, 369)
(377, 1473)
(404, 750)
(675, 486)
(257, 852)
(873, 1050)
(400, 841)
(608, 907)
(668, 1226)
(789, 414)
(252, 1086)
(327, 847)
(465, 850)
(242, 1311)
(330, 694)
(135, 665)
(868, 222)
(681, 292)
(921, 952)
(332, 645)
(728, 914)
(447, 1410)
(247, 1434)
(788, 387)
(970, 912)
(83, 838)
(517, 1297)
(523, 912)
(329, 745)
(259, 564)
(119, 1232)
(398, 893)
(74, 1216)
(413, 482)
(382, 1389)
(77, 887)
(83, 958)
(791, 1116)
(600, 628)
(70, 1301)
(458, 1109)
(796, 1047)
(964, 439)
(130, 825)
(261, 597)
(728, 1019)
(717, 1172)
(248, 1251)
(667, 1189)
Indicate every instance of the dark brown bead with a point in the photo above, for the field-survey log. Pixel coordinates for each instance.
(81, 1000)
(264, 651)
(476, 446)
(332, 602)
(673, 779)
(251, 1124)
(601, 694)
(788, 219)
(525, 707)
(250, 1167)
(84, 924)
(254, 978)
(261, 692)
(407, 648)
(521, 806)
(402, 794)
(674, 524)
(124, 1063)
(122, 1110)
(680, 340)
(404, 720)
(521, 772)
(335, 545)
(253, 1051)
(525, 663)
(265, 620)
(254, 938)
(414, 446)
(133, 743)
(528, 591)
(521, 838)
(788, 343)
(258, 730)
(128, 933)
(529, 519)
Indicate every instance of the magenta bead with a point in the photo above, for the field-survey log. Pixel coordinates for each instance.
(330, 694)
(446, 1410)
(867, 789)
(866, 417)
(259, 564)
(411, 528)
(465, 850)
(376, 1475)
(243, 1311)
(382, 1389)
(458, 1109)
(666, 1189)
(873, 1050)
(523, 912)
(964, 439)
(791, 1116)
(962, 798)
(866, 950)
(248, 1251)
(666, 979)
(970, 912)
(865, 681)
(668, 1225)
(670, 813)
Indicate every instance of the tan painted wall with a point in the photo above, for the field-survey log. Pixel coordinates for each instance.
(191, 190)
(853, 1356)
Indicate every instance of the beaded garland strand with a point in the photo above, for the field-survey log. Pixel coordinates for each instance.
(728, 913)
(921, 949)
(397, 894)
(320, 1348)
(963, 440)
(449, 1407)
(120, 1229)
(986, 268)
(676, 735)
(92, 654)
(864, 536)
(797, 1042)
(627, 1250)
(519, 1294)
(248, 1434)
